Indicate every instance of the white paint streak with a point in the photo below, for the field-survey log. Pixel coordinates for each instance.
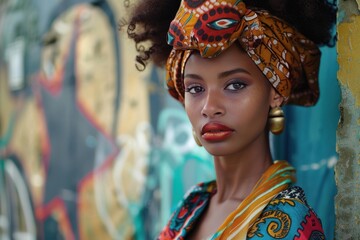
(328, 163)
(131, 145)
(134, 149)
(28, 231)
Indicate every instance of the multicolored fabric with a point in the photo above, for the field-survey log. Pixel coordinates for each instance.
(287, 216)
(276, 178)
(288, 59)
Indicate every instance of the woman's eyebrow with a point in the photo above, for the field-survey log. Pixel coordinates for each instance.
(220, 75)
(193, 76)
(233, 71)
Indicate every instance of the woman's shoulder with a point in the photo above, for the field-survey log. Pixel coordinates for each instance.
(288, 216)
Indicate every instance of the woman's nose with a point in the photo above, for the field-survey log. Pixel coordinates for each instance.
(213, 105)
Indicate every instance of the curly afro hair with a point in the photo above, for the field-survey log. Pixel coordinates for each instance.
(150, 20)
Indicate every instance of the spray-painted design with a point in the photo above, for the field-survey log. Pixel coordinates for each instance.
(93, 174)
(16, 211)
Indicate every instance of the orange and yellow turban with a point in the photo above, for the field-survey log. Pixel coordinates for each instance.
(288, 59)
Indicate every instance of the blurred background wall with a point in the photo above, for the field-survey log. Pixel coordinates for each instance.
(348, 133)
(90, 148)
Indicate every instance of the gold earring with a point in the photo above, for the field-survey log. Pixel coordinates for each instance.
(276, 120)
(196, 138)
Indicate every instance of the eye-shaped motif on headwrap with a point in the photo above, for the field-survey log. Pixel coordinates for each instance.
(210, 28)
(288, 59)
(220, 24)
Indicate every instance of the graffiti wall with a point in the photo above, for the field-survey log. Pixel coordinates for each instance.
(90, 148)
(89, 145)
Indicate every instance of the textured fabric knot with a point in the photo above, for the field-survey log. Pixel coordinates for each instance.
(252, 34)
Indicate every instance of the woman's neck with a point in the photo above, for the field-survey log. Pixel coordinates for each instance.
(236, 175)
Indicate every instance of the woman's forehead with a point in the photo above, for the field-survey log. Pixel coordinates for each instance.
(231, 57)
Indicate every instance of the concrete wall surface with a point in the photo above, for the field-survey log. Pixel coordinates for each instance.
(348, 135)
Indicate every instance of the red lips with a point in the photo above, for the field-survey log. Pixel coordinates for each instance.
(215, 132)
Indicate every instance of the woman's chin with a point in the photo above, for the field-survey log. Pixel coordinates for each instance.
(217, 150)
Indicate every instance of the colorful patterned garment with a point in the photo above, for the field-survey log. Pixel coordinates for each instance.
(285, 216)
(288, 216)
(288, 59)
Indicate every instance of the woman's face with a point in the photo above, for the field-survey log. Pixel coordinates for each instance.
(227, 99)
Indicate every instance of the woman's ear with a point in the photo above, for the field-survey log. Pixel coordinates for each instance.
(276, 98)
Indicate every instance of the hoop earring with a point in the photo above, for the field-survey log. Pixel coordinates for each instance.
(276, 120)
(196, 139)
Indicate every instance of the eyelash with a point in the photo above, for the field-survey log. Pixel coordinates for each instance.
(199, 89)
(240, 84)
(194, 87)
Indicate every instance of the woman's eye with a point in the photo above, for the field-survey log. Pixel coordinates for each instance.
(235, 86)
(194, 89)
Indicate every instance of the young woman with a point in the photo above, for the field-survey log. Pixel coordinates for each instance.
(233, 64)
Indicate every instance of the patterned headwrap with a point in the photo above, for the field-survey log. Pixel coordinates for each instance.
(288, 59)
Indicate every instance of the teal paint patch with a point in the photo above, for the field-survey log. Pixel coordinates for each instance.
(340, 16)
